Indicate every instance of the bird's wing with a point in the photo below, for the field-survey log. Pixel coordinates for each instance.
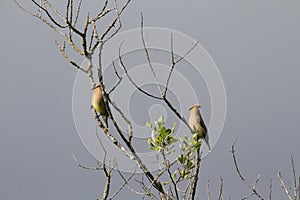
(203, 124)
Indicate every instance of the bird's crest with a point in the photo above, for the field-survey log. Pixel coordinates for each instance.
(96, 86)
(195, 106)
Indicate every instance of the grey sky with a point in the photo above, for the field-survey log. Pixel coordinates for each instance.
(256, 46)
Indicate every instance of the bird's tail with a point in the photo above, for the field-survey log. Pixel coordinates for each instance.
(207, 142)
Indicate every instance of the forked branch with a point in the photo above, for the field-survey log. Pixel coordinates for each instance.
(251, 187)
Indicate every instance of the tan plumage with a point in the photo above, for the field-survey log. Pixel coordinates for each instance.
(197, 124)
(98, 103)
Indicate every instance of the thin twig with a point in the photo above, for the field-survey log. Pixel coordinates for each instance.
(298, 188)
(284, 186)
(48, 14)
(294, 177)
(174, 62)
(241, 176)
(248, 196)
(84, 36)
(195, 176)
(270, 193)
(85, 167)
(102, 11)
(208, 191)
(119, 79)
(129, 130)
(106, 169)
(68, 39)
(221, 189)
(186, 53)
(77, 12)
(167, 165)
(117, 18)
(172, 66)
(47, 3)
(62, 50)
(148, 56)
(146, 190)
(126, 183)
(130, 79)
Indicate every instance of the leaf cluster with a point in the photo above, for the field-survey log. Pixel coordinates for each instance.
(162, 138)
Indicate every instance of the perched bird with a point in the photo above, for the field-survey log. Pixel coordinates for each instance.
(197, 124)
(98, 103)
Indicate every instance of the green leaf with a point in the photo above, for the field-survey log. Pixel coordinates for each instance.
(158, 140)
(185, 158)
(148, 124)
(197, 146)
(155, 148)
(182, 173)
(173, 128)
(180, 159)
(161, 137)
(168, 132)
(163, 132)
(161, 120)
(150, 142)
(185, 174)
(190, 164)
(174, 175)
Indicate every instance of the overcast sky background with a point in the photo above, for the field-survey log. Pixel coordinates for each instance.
(256, 46)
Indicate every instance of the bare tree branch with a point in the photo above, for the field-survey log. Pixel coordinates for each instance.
(148, 56)
(298, 189)
(167, 165)
(294, 177)
(85, 167)
(174, 62)
(90, 39)
(248, 196)
(62, 50)
(208, 190)
(98, 16)
(221, 189)
(241, 176)
(68, 39)
(131, 80)
(106, 169)
(126, 183)
(77, 12)
(48, 14)
(117, 19)
(146, 190)
(47, 3)
(196, 176)
(118, 82)
(284, 186)
(129, 130)
(270, 193)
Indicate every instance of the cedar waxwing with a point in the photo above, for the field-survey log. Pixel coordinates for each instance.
(197, 124)
(98, 103)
